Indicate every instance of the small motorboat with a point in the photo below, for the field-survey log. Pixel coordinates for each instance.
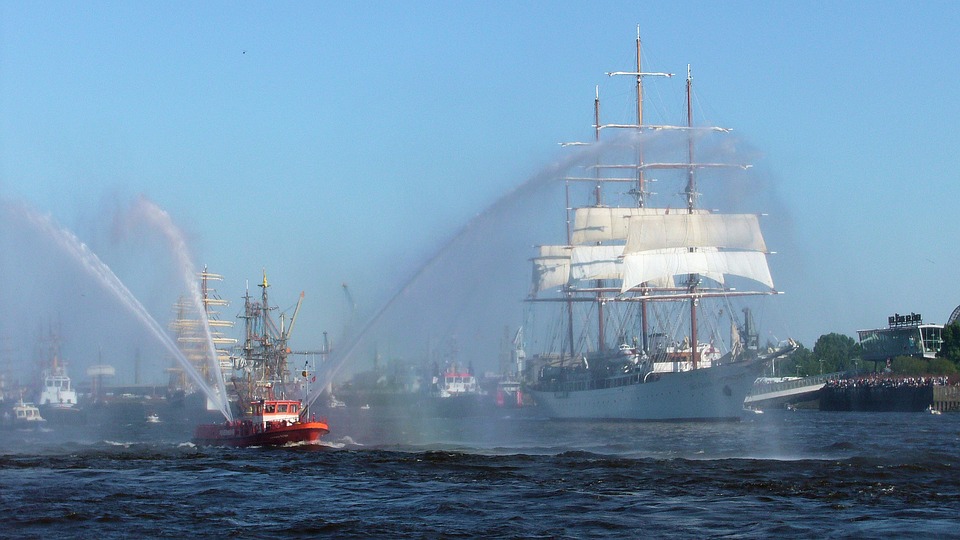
(24, 416)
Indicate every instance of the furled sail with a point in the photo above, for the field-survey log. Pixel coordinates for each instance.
(551, 268)
(730, 231)
(649, 266)
(593, 224)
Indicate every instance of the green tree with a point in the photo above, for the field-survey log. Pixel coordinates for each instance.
(913, 366)
(941, 366)
(800, 364)
(908, 365)
(950, 349)
(837, 352)
(806, 364)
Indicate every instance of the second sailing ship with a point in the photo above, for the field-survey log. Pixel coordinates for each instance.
(656, 262)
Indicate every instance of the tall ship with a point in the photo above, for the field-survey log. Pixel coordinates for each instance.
(267, 396)
(200, 334)
(646, 290)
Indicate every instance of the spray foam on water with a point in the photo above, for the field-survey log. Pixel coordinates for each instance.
(99, 270)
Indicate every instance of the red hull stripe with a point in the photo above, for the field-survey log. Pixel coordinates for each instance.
(215, 435)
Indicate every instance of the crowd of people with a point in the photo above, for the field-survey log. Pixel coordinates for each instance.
(883, 380)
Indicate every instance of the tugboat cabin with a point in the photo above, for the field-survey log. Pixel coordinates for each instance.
(455, 384)
(57, 391)
(275, 412)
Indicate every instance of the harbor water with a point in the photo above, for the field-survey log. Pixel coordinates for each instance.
(774, 475)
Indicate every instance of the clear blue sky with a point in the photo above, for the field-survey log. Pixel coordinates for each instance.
(335, 142)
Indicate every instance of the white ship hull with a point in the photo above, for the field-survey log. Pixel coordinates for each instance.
(713, 394)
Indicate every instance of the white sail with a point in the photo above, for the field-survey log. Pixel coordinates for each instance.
(596, 262)
(731, 231)
(606, 262)
(551, 268)
(653, 265)
(594, 224)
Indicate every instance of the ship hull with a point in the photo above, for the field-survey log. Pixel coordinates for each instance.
(63, 416)
(235, 435)
(712, 394)
(420, 404)
(189, 410)
(465, 406)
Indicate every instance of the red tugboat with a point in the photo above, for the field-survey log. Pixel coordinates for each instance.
(261, 379)
(272, 422)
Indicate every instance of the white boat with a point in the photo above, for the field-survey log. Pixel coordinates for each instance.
(454, 383)
(57, 391)
(57, 398)
(651, 274)
(454, 393)
(153, 418)
(23, 415)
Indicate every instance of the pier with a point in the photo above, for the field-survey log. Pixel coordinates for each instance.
(907, 394)
(946, 398)
(779, 393)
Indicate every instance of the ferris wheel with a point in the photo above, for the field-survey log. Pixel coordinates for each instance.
(954, 316)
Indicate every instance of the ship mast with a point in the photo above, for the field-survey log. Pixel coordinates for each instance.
(641, 183)
(598, 195)
(691, 203)
(641, 192)
(265, 351)
(566, 289)
(245, 385)
(641, 187)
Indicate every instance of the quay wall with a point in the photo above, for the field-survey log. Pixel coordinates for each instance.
(878, 398)
(946, 398)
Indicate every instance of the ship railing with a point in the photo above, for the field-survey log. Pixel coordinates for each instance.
(763, 388)
(594, 384)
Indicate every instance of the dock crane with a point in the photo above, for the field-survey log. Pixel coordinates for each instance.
(351, 303)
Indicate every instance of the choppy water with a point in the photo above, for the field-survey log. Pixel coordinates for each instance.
(791, 474)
